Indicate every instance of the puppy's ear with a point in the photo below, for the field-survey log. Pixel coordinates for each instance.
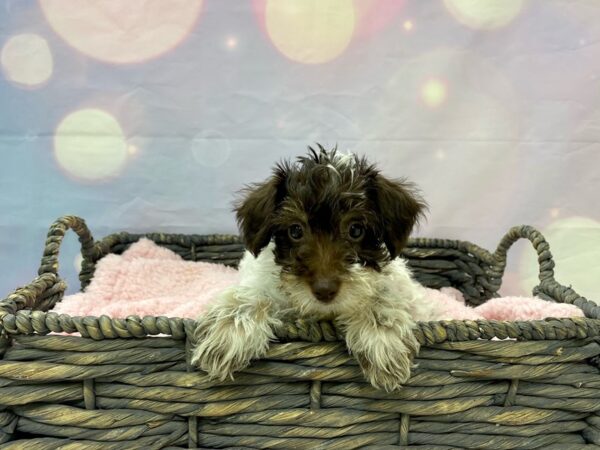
(400, 207)
(256, 209)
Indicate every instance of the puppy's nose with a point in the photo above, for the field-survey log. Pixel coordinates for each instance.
(325, 289)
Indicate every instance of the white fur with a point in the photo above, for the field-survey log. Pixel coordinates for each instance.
(343, 161)
(376, 310)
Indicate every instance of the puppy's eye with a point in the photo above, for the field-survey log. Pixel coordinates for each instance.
(356, 231)
(296, 232)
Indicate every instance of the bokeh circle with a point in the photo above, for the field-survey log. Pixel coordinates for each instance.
(310, 31)
(122, 32)
(210, 148)
(27, 60)
(89, 145)
(484, 14)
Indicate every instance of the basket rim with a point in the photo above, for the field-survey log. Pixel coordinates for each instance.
(28, 322)
(24, 310)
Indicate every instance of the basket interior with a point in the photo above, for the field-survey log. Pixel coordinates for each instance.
(435, 263)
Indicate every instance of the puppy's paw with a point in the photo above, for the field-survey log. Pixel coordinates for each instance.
(224, 346)
(386, 357)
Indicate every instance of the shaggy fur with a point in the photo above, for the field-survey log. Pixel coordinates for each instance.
(323, 237)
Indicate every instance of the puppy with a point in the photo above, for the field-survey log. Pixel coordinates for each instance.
(323, 237)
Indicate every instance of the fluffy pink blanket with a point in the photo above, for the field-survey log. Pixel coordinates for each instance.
(150, 280)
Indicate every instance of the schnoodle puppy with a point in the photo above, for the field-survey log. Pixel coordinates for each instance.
(323, 236)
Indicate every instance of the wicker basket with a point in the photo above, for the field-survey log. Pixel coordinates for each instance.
(116, 387)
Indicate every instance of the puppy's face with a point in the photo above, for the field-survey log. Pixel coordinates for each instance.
(330, 216)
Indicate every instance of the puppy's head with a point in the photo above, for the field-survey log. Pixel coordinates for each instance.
(329, 214)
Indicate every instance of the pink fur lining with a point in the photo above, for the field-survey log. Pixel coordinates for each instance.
(149, 280)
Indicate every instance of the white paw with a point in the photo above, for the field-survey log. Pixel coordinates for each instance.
(386, 357)
(224, 346)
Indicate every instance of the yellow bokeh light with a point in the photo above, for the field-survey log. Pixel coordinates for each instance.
(408, 25)
(26, 59)
(434, 92)
(575, 245)
(118, 31)
(89, 145)
(310, 31)
(485, 110)
(484, 14)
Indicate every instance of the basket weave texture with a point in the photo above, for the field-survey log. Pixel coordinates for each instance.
(478, 384)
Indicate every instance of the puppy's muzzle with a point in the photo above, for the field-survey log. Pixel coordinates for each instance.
(325, 289)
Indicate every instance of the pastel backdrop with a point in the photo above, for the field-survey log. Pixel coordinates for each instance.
(149, 115)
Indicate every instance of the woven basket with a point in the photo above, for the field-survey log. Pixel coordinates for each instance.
(116, 387)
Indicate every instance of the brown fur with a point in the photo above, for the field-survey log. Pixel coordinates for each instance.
(325, 193)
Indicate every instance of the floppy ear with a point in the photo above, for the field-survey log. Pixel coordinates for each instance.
(255, 211)
(400, 208)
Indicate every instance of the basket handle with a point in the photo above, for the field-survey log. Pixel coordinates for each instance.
(541, 246)
(56, 234)
(47, 288)
(548, 287)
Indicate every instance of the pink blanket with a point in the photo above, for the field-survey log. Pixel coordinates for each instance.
(148, 280)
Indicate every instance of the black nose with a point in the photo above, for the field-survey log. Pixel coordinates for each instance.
(325, 289)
